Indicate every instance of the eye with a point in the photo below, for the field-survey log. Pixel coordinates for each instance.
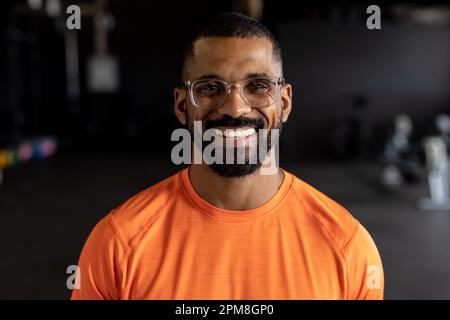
(258, 86)
(208, 88)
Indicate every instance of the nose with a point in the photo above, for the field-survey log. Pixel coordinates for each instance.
(234, 105)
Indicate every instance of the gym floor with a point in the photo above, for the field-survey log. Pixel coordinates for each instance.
(49, 207)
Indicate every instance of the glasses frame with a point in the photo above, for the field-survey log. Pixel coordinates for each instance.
(280, 81)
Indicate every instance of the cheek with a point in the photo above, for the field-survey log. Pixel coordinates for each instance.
(278, 116)
(272, 116)
(194, 114)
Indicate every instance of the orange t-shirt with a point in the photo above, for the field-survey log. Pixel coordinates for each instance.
(168, 243)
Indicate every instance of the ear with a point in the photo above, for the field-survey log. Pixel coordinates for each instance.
(286, 102)
(180, 104)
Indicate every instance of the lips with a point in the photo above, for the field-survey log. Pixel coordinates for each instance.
(235, 132)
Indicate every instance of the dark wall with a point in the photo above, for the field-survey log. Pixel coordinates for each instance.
(399, 69)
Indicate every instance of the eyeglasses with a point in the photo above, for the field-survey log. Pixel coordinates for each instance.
(257, 92)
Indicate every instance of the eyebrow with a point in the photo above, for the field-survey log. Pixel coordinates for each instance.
(256, 75)
(211, 76)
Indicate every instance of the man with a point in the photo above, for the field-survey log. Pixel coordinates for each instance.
(231, 230)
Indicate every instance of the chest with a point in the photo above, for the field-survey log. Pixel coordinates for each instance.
(240, 261)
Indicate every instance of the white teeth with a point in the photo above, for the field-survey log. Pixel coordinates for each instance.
(230, 133)
(218, 132)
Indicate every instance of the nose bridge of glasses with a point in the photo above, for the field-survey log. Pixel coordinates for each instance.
(238, 86)
(235, 84)
(230, 100)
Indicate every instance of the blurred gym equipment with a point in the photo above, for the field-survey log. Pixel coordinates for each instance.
(400, 158)
(34, 149)
(443, 127)
(251, 8)
(438, 175)
(102, 67)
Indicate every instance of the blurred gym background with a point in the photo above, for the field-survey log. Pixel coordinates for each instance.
(86, 118)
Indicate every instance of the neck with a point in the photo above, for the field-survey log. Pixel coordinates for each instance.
(243, 193)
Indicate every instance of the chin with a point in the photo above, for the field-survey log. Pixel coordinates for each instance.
(234, 170)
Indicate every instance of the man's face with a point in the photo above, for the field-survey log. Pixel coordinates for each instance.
(234, 59)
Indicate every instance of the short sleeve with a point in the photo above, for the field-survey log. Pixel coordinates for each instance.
(364, 268)
(99, 264)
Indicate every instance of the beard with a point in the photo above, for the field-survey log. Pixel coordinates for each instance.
(247, 159)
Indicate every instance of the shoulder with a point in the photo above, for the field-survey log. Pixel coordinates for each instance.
(135, 215)
(348, 236)
(331, 217)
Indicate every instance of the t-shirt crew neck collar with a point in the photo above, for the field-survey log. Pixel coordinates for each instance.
(236, 215)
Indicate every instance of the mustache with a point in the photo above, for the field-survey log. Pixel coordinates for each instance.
(228, 121)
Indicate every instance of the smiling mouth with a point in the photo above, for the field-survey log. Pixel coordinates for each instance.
(241, 132)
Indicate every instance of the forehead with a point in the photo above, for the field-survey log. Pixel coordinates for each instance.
(232, 58)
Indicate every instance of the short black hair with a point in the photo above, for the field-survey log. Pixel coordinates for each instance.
(230, 24)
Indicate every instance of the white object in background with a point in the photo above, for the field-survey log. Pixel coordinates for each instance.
(435, 153)
(403, 125)
(438, 175)
(103, 73)
(391, 176)
(403, 130)
(443, 123)
(53, 8)
(35, 4)
(398, 144)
